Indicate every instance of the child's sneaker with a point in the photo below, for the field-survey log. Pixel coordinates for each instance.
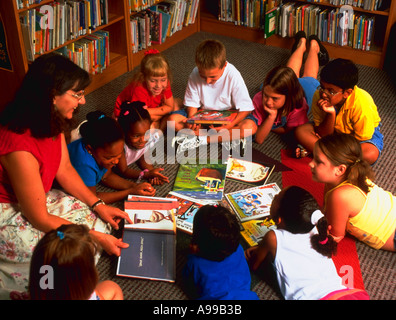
(187, 142)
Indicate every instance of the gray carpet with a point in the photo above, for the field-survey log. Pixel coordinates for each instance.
(254, 61)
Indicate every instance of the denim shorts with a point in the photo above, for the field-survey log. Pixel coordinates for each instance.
(377, 139)
(309, 86)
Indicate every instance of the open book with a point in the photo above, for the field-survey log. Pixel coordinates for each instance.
(213, 117)
(152, 242)
(248, 172)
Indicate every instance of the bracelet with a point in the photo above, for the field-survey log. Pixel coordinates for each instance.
(141, 174)
(100, 201)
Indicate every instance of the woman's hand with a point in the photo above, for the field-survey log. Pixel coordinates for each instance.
(112, 215)
(109, 243)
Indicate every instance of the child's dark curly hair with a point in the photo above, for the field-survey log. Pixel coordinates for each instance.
(323, 242)
(132, 112)
(296, 208)
(100, 130)
(215, 232)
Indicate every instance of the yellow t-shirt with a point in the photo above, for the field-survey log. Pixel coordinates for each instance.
(376, 222)
(358, 116)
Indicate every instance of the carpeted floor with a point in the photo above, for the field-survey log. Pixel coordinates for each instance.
(254, 61)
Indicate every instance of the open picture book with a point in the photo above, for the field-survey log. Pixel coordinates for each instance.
(152, 240)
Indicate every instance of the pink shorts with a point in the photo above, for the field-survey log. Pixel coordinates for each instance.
(347, 294)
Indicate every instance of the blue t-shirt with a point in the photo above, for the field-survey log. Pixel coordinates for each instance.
(219, 280)
(85, 164)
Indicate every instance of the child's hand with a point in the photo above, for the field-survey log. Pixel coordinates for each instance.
(325, 105)
(157, 178)
(144, 189)
(272, 112)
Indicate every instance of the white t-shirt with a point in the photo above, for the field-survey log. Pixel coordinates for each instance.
(228, 92)
(132, 155)
(302, 272)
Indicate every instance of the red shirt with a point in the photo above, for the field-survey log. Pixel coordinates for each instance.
(47, 151)
(139, 92)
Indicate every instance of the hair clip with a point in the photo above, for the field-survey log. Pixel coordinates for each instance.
(101, 117)
(323, 242)
(151, 51)
(126, 113)
(60, 234)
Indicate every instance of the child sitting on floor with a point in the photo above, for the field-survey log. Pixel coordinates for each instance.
(301, 250)
(151, 85)
(216, 268)
(215, 84)
(68, 256)
(339, 105)
(285, 99)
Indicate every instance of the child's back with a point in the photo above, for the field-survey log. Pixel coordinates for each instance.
(217, 268)
(295, 259)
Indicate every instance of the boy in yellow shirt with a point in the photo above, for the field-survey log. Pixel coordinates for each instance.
(339, 105)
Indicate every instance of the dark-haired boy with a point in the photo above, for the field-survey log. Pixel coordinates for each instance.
(217, 268)
(339, 105)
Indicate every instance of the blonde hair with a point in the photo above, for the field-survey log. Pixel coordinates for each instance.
(210, 54)
(153, 65)
(345, 149)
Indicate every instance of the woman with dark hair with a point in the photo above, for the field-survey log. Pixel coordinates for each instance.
(33, 153)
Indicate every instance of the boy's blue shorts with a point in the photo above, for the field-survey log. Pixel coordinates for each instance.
(309, 86)
(377, 139)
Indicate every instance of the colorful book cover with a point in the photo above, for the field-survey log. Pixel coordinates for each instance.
(255, 230)
(270, 22)
(253, 203)
(187, 208)
(213, 117)
(248, 172)
(201, 181)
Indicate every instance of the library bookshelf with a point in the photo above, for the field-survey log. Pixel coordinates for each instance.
(117, 25)
(384, 20)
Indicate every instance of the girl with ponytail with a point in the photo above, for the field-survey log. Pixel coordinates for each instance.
(353, 202)
(300, 250)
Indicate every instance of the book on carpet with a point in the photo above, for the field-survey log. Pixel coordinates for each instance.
(248, 172)
(152, 242)
(201, 181)
(187, 208)
(254, 230)
(253, 203)
(213, 117)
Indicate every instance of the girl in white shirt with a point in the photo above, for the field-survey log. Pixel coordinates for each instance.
(301, 250)
(135, 121)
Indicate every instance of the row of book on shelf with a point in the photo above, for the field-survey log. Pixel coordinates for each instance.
(52, 25)
(161, 20)
(152, 236)
(341, 26)
(336, 26)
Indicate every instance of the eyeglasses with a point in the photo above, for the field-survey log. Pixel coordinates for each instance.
(79, 95)
(327, 92)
